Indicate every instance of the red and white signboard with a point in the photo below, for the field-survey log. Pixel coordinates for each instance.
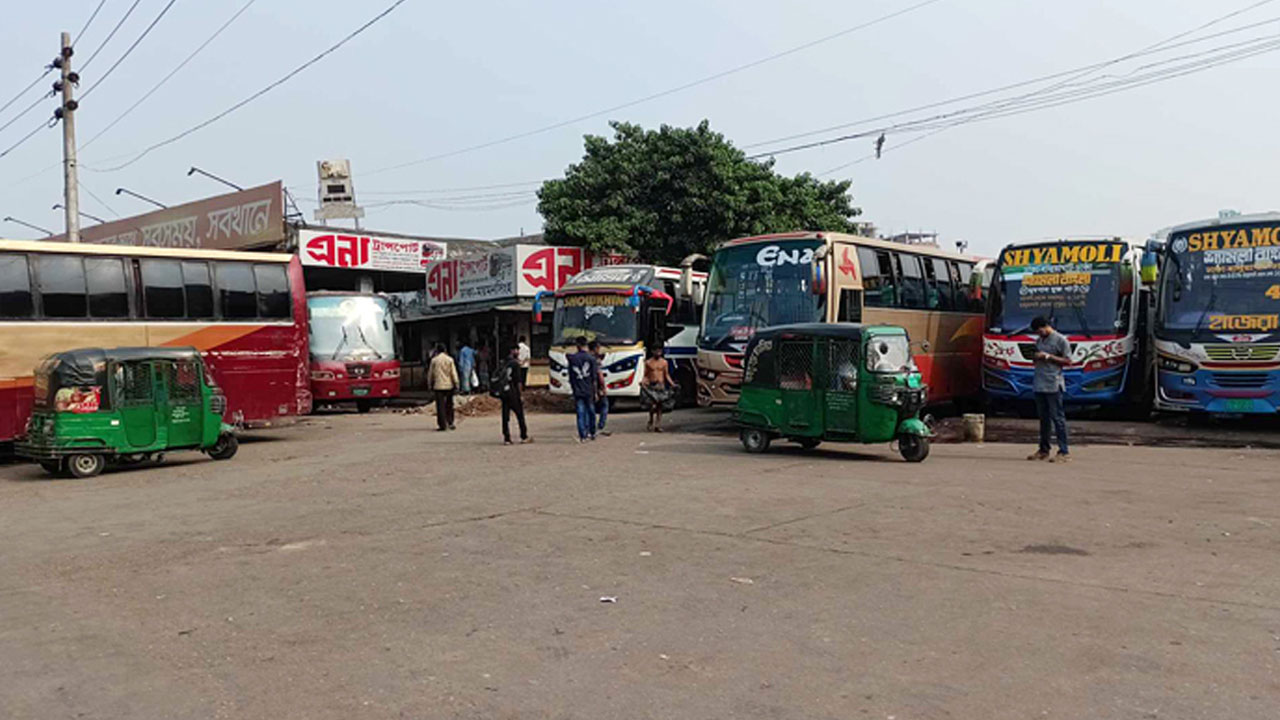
(549, 268)
(519, 271)
(367, 252)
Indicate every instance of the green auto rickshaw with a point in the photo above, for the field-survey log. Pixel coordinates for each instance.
(839, 382)
(123, 405)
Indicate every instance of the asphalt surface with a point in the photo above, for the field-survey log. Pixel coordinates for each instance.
(367, 567)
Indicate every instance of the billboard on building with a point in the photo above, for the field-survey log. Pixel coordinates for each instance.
(244, 219)
(356, 251)
(472, 278)
(549, 268)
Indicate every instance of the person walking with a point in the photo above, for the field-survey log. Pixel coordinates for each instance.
(442, 378)
(508, 388)
(602, 399)
(1053, 352)
(466, 363)
(655, 389)
(526, 356)
(584, 380)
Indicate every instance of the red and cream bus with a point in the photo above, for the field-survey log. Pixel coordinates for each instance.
(830, 277)
(353, 349)
(245, 312)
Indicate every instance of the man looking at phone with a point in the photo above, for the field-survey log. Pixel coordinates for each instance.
(1053, 352)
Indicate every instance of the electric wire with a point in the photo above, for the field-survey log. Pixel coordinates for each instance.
(110, 35)
(75, 39)
(172, 72)
(251, 98)
(99, 200)
(129, 51)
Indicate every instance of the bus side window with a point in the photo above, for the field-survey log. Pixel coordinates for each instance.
(162, 289)
(971, 304)
(850, 305)
(273, 291)
(237, 291)
(107, 295)
(62, 286)
(16, 300)
(913, 287)
(879, 288)
(943, 290)
(198, 289)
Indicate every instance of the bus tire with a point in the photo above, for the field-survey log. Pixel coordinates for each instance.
(913, 448)
(225, 448)
(86, 465)
(364, 406)
(754, 440)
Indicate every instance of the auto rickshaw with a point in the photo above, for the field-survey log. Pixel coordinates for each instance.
(125, 406)
(839, 382)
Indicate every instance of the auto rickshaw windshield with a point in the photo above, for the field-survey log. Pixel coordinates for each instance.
(889, 354)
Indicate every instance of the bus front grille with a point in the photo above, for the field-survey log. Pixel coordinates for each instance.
(1028, 350)
(1240, 380)
(1242, 352)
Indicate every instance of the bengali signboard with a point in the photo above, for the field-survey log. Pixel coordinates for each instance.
(1059, 276)
(549, 268)
(1228, 279)
(244, 219)
(355, 251)
(472, 278)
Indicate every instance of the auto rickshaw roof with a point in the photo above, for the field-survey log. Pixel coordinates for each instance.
(848, 331)
(90, 356)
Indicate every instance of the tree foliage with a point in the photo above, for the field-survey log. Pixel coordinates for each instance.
(659, 195)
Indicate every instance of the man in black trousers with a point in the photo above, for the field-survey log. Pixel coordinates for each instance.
(512, 385)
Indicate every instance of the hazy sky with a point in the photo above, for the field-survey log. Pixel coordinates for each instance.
(436, 77)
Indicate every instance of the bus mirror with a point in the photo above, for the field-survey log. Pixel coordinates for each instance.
(1150, 268)
(1126, 279)
(686, 274)
(699, 294)
(818, 274)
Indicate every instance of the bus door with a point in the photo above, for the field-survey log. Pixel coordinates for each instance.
(795, 383)
(842, 387)
(182, 412)
(655, 326)
(137, 402)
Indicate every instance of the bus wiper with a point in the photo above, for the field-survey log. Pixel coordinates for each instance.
(345, 339)
(1084, 324)
(366, 342)
(1213, 298)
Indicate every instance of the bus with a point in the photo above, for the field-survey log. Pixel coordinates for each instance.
(1217, 328)
(353, 349)
(803, 277)
(627, 309)
(245, 312)
(1091, 292)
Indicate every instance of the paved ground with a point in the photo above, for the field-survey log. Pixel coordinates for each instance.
(361, 567)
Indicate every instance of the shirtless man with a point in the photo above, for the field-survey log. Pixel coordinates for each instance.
(656, 386)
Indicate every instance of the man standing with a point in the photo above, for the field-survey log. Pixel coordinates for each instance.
(466, 363)
(602, 401)
(442, 378)
(1053, 352)
(509, 389)
(584, 379)
(522, 346)
(655, 389)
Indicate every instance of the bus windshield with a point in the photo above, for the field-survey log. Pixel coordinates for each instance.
(604, 317)
(1220, 290)
(758, 285)
(351, 328)
(1078, 297)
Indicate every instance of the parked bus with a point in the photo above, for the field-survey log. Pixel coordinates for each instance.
(353, 349)
(1217, 328)
(628, 309)
(805, 277)
(1090, 291)
(245, 312)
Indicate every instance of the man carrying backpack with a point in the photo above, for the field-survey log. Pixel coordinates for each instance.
(507, 385)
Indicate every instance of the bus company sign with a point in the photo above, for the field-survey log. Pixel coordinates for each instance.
(244, 219)
(367, 252)
(471, 278)
(549, 268)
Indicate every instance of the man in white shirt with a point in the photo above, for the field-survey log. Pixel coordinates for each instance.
(522, 356)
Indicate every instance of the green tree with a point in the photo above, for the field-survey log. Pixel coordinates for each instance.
(659, 195)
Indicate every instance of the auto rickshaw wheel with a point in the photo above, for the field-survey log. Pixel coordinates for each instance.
(364, 406)
(53, 467)
(86, 465)
(809, 443)
(913, 448)
(754, 440)
(225, 448)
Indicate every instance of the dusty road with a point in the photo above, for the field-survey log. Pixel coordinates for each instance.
(362, 567)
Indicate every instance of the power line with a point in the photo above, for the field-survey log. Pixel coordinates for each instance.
(127, 52)
(450, 190)
(110, 35)
(655, 96)
(173, 72)
(26, 110)
(24, 90)
(88, 22)
(251, 98)
(100, 201)
(25, 138)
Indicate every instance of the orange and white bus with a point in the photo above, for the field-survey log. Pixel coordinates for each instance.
(831, 277)
(246, 313)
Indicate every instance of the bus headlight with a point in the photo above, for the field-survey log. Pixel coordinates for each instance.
(1178, 366)
(390, 373)
(624, 364)
(321, 375)
(707, 374)
(554, 366)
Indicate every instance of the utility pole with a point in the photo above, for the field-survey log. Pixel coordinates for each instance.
(67, 114)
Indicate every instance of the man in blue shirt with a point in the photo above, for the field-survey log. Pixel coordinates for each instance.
(584, 380)
(1053, 352)
(466, 363)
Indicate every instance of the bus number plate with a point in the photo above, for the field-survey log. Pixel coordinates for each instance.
(359, 391)
(1240, 405)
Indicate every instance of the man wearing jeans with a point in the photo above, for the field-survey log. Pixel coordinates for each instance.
(584, 377)
(1053, 352)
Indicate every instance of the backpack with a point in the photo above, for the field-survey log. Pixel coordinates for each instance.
(500, 382)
